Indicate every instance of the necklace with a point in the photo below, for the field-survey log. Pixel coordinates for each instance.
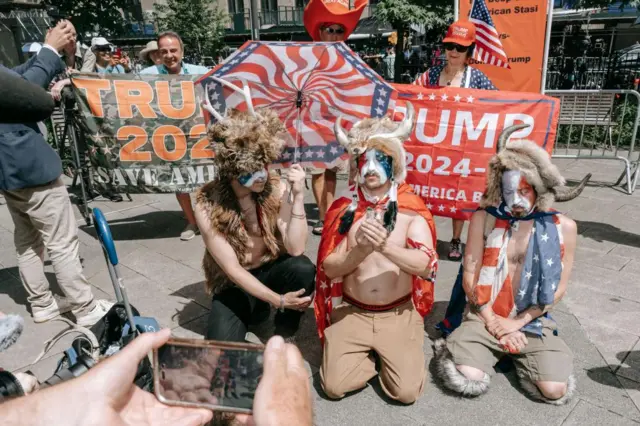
(450, 80)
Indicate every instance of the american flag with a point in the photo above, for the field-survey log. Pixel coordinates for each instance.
(488, 46)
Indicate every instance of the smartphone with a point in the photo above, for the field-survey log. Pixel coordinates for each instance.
(221, 376)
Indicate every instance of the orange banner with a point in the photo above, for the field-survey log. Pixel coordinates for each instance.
(521, 25)
(455, 136)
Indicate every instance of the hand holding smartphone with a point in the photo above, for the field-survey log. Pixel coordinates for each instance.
(221, 376)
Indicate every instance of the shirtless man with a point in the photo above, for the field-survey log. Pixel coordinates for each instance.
(374, 287)
(516, 268)
(255, 238)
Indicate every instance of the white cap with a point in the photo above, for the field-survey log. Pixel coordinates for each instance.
(99, 42)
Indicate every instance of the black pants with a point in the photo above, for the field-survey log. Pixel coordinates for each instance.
(234, 309)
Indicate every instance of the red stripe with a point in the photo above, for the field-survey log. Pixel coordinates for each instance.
(504, 302)
(490, 256)
(483, 294)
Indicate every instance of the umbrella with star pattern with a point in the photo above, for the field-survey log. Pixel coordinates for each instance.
(309, 85)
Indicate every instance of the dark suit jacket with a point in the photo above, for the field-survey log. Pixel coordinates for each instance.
(26, 159)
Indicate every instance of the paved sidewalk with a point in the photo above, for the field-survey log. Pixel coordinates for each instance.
(599, 317)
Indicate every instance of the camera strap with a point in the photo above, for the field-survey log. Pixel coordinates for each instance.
(73, 329)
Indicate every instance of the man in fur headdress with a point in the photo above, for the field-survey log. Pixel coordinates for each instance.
(376, 269)
(517, 265)
(254, 227)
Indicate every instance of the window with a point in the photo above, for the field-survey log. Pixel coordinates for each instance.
(235, 6)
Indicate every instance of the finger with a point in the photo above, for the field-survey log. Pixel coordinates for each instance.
(302, 300)
(245, 419)
(299, 292)
(142, 345)
(191, 416)
(274, 359)
(295, 363)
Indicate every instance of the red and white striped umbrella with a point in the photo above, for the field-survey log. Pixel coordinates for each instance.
(309, 85)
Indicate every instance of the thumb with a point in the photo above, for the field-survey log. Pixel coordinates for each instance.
(299, 292)
(275, 361)
(143, 344)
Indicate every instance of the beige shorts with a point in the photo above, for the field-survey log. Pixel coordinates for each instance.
(342, 166)
(545, 358)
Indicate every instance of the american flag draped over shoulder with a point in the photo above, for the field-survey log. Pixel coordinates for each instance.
(488, 45)
(541, 270)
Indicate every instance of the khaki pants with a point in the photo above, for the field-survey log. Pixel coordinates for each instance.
(545, 358)
(397, 336)
(43, 217)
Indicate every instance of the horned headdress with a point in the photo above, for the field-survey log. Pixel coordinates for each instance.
(535, 165)
(386, 136)
(244, 141)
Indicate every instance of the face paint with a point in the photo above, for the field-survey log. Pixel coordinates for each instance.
(249, 179)
(517, 193)
(374, 161)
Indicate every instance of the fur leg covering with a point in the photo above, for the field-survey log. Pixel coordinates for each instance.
(532, 390)
(10, 330)
(452, 378)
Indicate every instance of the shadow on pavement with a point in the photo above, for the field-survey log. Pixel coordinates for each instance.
(599, 231)
(147, 226)
(603, 375)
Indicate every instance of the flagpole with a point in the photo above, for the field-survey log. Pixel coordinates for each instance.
(456, 9)
(547, 45)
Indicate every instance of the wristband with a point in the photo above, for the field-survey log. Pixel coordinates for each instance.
(281, 309)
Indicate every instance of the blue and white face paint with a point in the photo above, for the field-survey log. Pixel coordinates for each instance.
(374, 161)
(248, 179)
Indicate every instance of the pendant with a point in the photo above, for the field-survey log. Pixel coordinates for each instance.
(515, 225)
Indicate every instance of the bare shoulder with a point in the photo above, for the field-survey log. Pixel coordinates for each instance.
(569, 226)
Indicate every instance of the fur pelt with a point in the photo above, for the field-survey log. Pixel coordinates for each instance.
(11, 327)
(532, 390)
(536, 166)
(359, 143)
(452, 378)
(243, 143)
(223, 210)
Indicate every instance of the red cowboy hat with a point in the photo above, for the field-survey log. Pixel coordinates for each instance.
(320, 13)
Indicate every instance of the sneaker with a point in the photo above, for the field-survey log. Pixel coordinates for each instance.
(60, 305)
(94, 315)
(455, 250)
(189, 232)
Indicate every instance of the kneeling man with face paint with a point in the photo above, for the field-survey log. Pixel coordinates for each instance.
(517, 265)
(376, 269)
(254, 227)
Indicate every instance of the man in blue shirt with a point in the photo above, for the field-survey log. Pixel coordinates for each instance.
(171, 49)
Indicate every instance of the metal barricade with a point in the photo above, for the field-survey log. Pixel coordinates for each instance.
(599, 125)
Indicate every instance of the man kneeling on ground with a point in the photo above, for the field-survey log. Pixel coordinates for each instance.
(255, 237)
(517, 264)
(376, 269)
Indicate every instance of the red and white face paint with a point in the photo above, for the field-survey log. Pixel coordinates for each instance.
(518, 195)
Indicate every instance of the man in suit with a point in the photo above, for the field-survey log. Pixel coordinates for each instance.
(39, 204)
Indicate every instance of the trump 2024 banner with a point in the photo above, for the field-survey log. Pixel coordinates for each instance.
(145, 133)
(455, 135)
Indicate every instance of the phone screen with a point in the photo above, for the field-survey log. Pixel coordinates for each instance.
(208, 374)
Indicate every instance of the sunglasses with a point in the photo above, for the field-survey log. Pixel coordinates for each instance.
(330, 30)
(457, 47)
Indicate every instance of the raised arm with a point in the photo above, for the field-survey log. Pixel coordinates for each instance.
(225, 256)
(344, 261)
(292, 221)
(412, 260)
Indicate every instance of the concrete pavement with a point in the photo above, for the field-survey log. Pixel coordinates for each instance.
(599, 317)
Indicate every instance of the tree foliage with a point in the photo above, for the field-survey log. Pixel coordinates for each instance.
(401, 14)
(199, 22)
(86, 14)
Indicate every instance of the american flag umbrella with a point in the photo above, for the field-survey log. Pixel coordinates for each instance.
(309, 85)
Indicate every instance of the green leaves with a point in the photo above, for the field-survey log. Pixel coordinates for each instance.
(86, 14)
(199, 22)
(431, 14)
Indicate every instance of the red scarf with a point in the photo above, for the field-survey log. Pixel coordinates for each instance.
(422, 289)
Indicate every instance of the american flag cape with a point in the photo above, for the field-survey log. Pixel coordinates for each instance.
(329, 293)
(488, 45)
(541, 271)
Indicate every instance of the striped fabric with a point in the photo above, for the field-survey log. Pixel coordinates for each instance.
(539, 279)
(488, 45)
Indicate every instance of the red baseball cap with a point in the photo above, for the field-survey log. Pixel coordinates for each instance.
(462, 33)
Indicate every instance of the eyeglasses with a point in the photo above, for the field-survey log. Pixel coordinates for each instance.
(454, 46)
(331, 30)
